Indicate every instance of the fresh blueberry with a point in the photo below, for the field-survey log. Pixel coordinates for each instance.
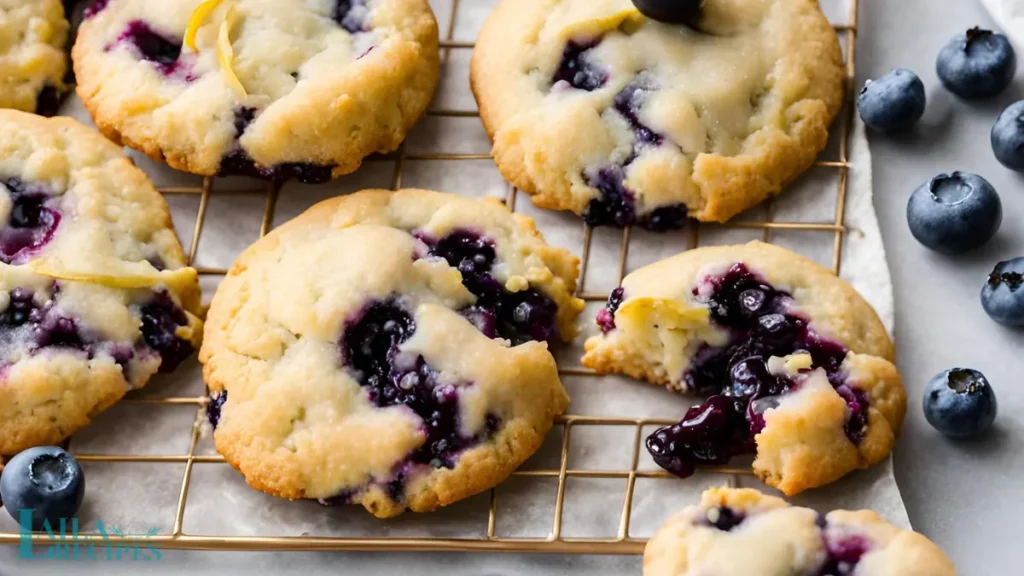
(1008, 137)
(977, 64)
(892, 103)
(46, 480)
(670, 11)
(954, 213)
(1003, 294)
(960, 403)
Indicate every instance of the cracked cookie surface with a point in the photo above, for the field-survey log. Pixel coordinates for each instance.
(595, 109)
(274, 89)
(797, 366)
(742, 532)
(95, 294)
(389, 350)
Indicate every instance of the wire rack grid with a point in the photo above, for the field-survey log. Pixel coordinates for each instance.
(623, 543)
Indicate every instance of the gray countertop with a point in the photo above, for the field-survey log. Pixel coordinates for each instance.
(940, 324)
(939, 320)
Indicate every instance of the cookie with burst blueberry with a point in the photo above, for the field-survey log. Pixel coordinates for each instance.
(95, 294)
(796, 365)
(596, 108)
(32, 57)
(742, 532)
(389, 350)
(273, 89)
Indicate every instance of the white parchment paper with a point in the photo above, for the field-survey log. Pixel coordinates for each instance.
(138, 497)
(1009, 14)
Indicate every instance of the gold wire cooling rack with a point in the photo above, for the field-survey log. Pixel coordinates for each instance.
(622, 544)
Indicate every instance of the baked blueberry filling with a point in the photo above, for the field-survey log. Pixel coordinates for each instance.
(30, 224)
(20, 309)
(606, 317)
(628, 103)
(44, 326)
(666, 218)
(616, 205)
(40, 326)
(48, 101)
(724, 518)
(370, 350)
(238, 163)
(515, 316)
(575, 71)
(150, 45)
(95, 8)
(161, 317)
(352, 15)
(737, 375)
(844, 553)
(214, 406)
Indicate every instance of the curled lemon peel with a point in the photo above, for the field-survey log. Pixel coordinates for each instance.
(628, 20)
(195, 21)
(133, 275)
(226, 54)
(669, 313)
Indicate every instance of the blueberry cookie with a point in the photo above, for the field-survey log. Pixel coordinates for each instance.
(797, 365)
(95, 294)
(32, 58)
(389, 350)
(745, 533)
(272, 89)
(596, 109)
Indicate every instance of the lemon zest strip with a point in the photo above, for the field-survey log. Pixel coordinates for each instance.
(195, 22)
(226, 54)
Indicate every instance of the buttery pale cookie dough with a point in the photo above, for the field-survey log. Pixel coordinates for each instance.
(389, 350)
(32, 58)
(798, 365)
(95, 293)
(596, 109)
(273, 89)
(745, 533)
